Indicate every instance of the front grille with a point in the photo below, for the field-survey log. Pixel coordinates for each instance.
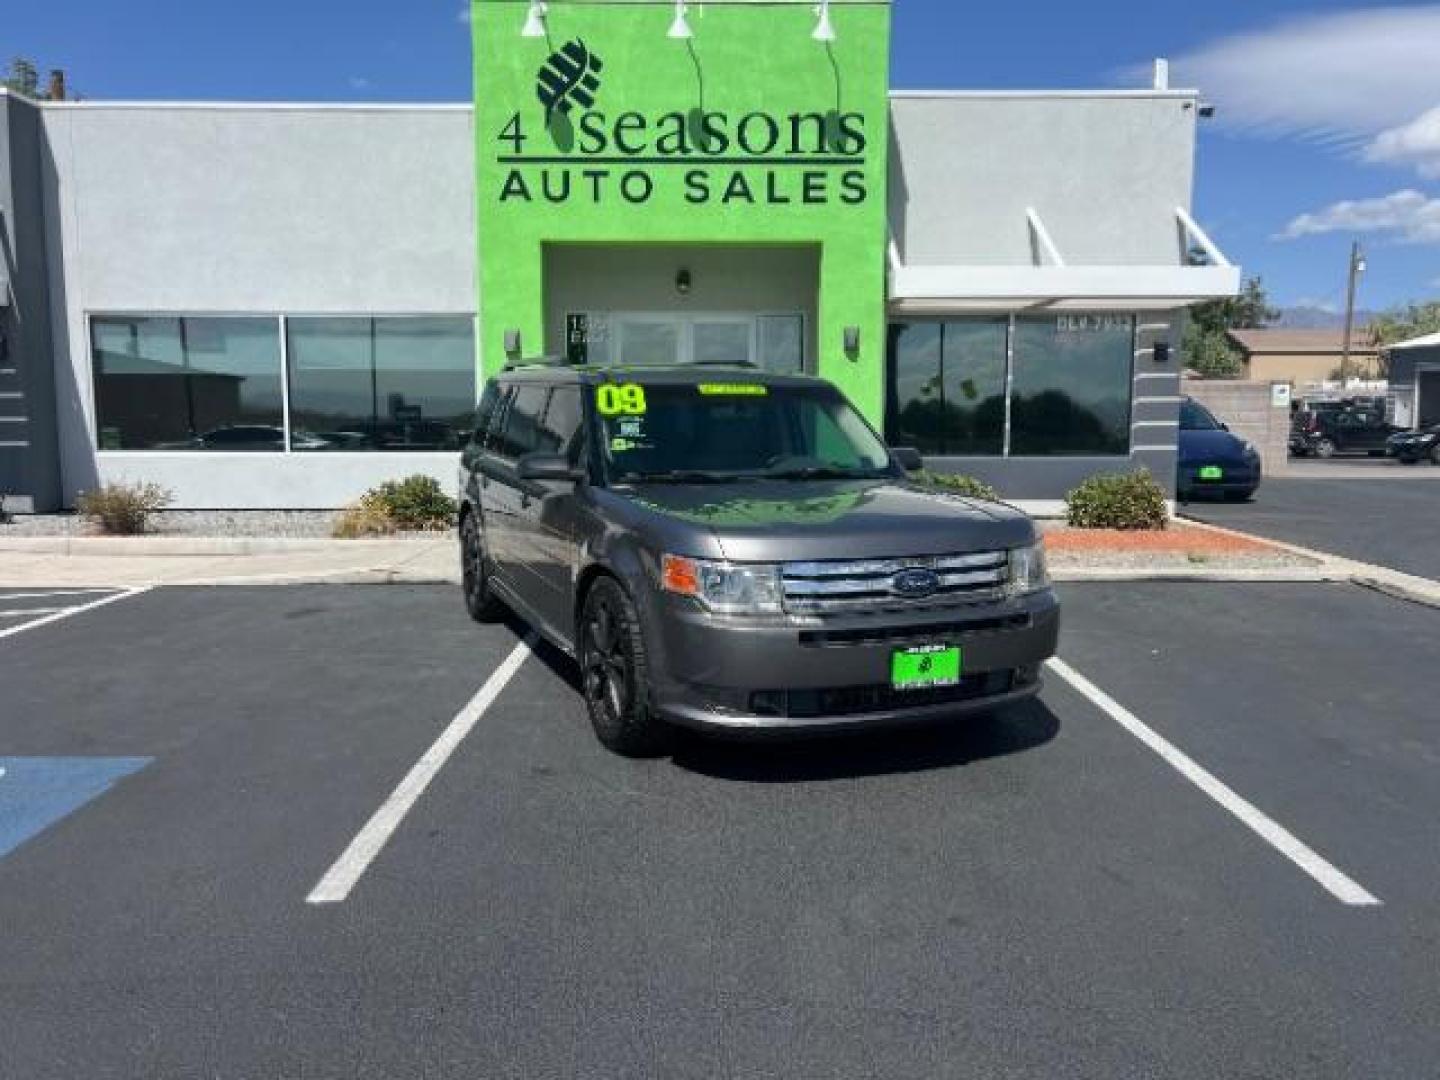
(922, 632)
(867, 585)
(859, 700)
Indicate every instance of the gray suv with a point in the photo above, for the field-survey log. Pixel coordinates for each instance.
(737, 551)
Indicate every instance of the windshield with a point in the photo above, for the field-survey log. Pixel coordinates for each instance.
(713, 432)
(1195, 417)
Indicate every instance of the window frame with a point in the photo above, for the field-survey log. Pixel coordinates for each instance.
(1011, 320)
(282, 320)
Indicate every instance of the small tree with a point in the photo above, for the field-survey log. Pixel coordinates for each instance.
(22, 77)
(1210, 355)
(1250, 310)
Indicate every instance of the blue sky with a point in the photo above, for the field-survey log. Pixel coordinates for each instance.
(1328, 126)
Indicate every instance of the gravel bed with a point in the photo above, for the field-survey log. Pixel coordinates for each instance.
(249, 524)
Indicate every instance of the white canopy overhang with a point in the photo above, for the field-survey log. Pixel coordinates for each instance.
(1051, 284)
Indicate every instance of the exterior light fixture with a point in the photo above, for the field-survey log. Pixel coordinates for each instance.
(535, 21)
(852, 340)
(824, 29)
(683, 282)
(680, 28)
(512, 342)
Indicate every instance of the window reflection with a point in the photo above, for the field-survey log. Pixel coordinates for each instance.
(1072, 386)
(393, 384)
(187, 384)
(947, 387)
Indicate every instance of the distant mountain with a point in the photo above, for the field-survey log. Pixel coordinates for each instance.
(1314, 318)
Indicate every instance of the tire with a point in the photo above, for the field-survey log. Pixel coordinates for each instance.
(1411, 461)
(480, 602)
(1325, 448)
(614, 673)
(1239, 496)
(1435, 454)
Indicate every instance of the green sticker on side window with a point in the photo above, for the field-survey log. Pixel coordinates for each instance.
(713, 389)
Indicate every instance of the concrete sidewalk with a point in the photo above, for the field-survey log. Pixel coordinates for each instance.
(125, 562)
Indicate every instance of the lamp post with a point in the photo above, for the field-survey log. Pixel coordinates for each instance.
(1357, 267)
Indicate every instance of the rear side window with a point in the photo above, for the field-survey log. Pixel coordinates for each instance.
(520, 434)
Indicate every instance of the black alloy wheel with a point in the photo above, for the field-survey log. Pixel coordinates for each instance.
(1325, 448)
(614, 673)
(480, 602)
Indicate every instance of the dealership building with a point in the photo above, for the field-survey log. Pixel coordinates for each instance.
(282, 305)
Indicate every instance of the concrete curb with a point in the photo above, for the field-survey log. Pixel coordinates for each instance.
(1283, 575)
(1402, 586)
(184, 546)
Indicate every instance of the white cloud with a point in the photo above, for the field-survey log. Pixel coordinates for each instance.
(359, 82)
(1408, 216)
(1416, 143)
(1353, 78)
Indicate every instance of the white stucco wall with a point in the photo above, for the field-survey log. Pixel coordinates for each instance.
(251, 210)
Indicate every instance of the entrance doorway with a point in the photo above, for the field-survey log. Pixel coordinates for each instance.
(774, 341)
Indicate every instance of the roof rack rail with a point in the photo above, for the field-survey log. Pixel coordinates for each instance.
(535, 362)
(750, 364)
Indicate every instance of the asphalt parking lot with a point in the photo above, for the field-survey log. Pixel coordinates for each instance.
(1372, 515)
(1039, 894)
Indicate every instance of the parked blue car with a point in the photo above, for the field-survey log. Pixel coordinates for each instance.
(1212, 460)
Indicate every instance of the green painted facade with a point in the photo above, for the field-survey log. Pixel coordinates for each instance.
(750, 133)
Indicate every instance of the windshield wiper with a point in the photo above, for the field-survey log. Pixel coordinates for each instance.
(679, 476)
(824, 472)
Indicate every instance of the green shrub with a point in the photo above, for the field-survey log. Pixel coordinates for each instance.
(368, 516)
(1118, 501)
(967, 486)
(123, 509)
(415, 504)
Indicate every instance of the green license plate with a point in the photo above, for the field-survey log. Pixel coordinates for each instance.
(1212, 472)
(925, 668)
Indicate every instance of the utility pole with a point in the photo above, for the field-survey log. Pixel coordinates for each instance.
(1357, 267)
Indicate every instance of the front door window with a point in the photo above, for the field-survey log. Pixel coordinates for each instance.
(775, 342)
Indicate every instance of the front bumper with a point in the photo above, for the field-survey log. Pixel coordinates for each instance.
(747, 676)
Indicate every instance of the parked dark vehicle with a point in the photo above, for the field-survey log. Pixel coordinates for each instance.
(1413, 447)
(1212, 460)
(1352, 427)
(737, 551)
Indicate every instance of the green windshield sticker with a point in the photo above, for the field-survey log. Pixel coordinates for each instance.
(625, 400)
(733, 390)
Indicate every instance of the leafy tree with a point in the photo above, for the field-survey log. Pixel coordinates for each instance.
(22, 77)
(1210, 355)
(1405, 322)
(1250, 310)
(1207, 349)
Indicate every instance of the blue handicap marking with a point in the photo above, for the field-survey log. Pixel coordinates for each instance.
(36, 792)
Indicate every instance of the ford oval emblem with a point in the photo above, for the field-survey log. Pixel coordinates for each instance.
(915, 584)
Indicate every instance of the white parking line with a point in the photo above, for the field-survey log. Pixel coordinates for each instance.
(1338, 884)
(65, 613)
(335, 886)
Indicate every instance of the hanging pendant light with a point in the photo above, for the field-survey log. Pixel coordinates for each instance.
(824, 29)
(535, 21)
(680, 28)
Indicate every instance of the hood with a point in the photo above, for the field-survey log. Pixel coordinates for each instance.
(1202, 446)
(776, 521)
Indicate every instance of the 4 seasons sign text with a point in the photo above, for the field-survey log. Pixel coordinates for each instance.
(580, 152)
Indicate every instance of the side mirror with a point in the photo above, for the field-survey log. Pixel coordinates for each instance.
(1224, 426)
(554, 467)
(908, 458)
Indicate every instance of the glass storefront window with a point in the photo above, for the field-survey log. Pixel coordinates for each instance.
(390, 384)
(947, 387)
(207, 384)
(1070, 386)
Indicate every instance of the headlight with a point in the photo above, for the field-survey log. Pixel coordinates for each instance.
(726, 588)
(1027, 571)
(1431, 437)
